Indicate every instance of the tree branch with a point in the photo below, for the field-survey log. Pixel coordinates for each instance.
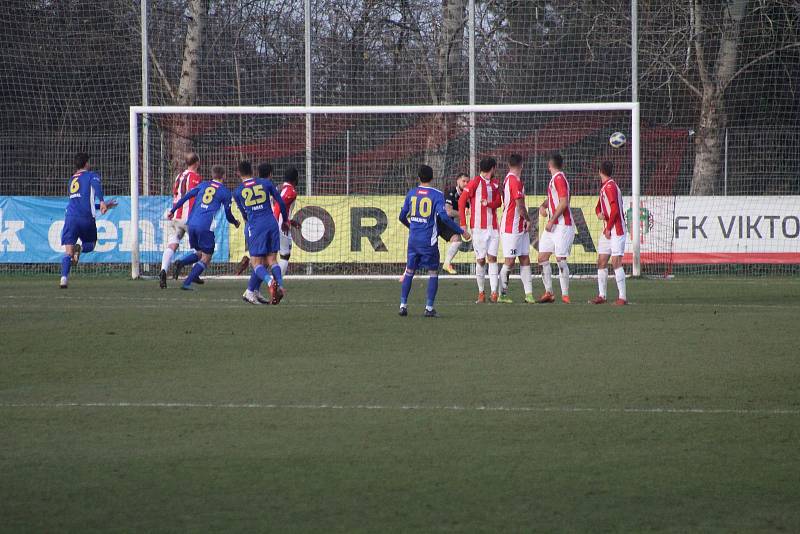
(760, 58)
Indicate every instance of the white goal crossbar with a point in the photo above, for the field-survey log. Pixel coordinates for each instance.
(136, 111)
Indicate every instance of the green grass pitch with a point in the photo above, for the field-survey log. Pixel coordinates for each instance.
(329, 413)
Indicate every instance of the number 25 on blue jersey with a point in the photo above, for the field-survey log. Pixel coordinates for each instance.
(254, 196)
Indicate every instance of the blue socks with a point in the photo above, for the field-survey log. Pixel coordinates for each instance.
(254, 283)
(406, 288)
(277, 275)
(433, 287)
(188, 260)
(87, 247)
(197, 270)
(66, 264)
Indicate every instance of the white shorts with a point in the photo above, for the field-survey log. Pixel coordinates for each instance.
(286, 244)
(177, 229)
(485, 242)
(559, 241)
(614, 246)
(515, 245)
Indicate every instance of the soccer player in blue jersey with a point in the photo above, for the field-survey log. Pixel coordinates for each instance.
(210, 196)
(261, 233)
(79, 218)
(423, 206)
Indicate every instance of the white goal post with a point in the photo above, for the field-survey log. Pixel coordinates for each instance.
(137, 111)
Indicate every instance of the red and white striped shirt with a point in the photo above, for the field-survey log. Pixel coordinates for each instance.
(513, 190)
(610, 204)
(480, 217)
(556, 190)
(184, 182)
(288, 195)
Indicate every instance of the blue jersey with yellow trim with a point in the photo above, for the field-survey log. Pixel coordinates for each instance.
(84, 189)
(253, 200)
(422, 207)
(210, 196)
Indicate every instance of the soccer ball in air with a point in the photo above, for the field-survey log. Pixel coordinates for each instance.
(617, 139)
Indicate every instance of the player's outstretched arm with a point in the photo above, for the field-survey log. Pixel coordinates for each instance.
(189, 194)
(281, 204)
(229, 213)
(462, 202)
(403, 218)
(240, 206)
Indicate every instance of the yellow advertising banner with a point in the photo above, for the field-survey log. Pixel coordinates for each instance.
(366, 229)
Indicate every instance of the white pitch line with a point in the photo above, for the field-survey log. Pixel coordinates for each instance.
(406, 407)
(90, 301)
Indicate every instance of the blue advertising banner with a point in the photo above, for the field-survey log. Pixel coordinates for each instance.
(30, 230)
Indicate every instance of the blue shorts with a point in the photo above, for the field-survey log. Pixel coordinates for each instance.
(262, 240)
(424, 256)
(76, 228)
(202, 240)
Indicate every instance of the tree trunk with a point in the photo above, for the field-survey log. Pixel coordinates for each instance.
(709, 145)
(180, 143)
(450, 52)
(708, 160)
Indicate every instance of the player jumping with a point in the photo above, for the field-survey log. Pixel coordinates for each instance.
(558, 233)
(184, 182)
(253, 199)
(288, 195)
(422, 208)
(79, 217)
(514, 226)
(483, 195)
(210, 197)
(451, 197)
(612, 242)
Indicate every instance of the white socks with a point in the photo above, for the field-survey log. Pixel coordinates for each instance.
(480, 271)
(452, 250)
(493, 276)
(166, 258)
(504, 272)
(602, 282)
(563, 276)
(547, 276)
(525, 274)
(284, 265)
(619, 274)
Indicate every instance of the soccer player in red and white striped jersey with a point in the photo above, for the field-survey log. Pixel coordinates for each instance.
(612, 242)
(184, 182)
(558, 233)
(514, 225)
(482, 193)
(288, 195)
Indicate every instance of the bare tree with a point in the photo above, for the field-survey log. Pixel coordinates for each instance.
(189, 78)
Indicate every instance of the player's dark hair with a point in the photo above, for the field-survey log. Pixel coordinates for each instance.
(557, 160)
(245, 168)
(218, 172)
(487, 164)
(191, 158)
(80, 160)
(514, 160)
(290, 175)
(462, 175)
(264, 170)
(607, 168)
(425, 174)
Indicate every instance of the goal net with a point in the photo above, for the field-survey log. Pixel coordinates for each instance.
(356, 165)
